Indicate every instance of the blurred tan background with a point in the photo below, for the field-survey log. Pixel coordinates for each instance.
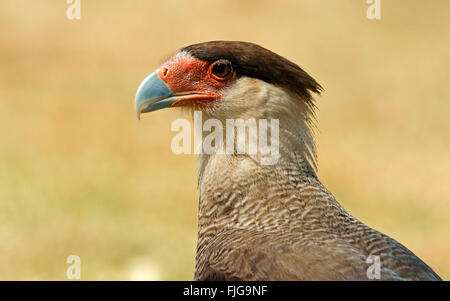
(79, 174)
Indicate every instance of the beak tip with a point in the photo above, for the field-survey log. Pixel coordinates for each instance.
(137, 110)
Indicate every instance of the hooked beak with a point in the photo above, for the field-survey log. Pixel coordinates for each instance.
(152, 94)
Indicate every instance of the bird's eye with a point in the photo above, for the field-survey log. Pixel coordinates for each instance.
(222, 69)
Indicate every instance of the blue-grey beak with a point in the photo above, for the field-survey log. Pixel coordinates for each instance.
(152, 94)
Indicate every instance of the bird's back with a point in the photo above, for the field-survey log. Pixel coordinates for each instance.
(291, 230)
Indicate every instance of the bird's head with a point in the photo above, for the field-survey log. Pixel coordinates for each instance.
(228, 79)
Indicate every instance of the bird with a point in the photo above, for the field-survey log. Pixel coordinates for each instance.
(277, 221)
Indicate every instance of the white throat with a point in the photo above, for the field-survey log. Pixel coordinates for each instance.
(252, 101)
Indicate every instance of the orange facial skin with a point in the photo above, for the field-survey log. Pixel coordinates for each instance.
(193, 81)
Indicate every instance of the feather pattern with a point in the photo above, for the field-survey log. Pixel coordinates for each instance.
(260, 223)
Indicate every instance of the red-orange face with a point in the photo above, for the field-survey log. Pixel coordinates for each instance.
(184, 81)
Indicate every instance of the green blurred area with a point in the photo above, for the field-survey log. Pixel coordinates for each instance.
(79, 174)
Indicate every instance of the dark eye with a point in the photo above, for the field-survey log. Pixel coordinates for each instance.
(222, 69)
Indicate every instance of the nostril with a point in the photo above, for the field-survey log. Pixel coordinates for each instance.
(164, 71)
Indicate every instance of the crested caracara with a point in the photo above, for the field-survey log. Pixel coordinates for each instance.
(268, 221)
